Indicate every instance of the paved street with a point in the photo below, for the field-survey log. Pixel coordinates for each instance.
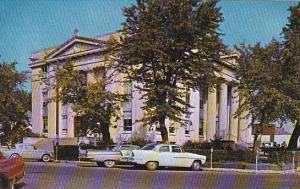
(70, 176)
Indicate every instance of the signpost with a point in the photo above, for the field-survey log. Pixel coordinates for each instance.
(294, 153)
(256, 161)
(211, 157)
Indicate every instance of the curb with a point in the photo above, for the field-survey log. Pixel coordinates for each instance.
(251, 171)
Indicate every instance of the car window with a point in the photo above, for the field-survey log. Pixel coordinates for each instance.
(134, 147)
(149, 147)
(125, 148)
(176, 149)
(164, 149)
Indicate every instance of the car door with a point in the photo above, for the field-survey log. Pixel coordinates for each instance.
(180, 158)
(165, 157)
(28, 151)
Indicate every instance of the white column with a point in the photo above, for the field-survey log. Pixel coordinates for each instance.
(244, 136)
(234, 121)
(211, 115)
(52, 116)
(223, 113)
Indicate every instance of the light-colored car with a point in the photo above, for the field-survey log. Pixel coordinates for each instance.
(119, 154)
(28, 151)
(167, 155)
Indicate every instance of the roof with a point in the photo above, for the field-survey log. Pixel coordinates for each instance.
(46, 52)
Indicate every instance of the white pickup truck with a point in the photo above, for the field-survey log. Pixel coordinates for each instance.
(166, 155)
(119, 154)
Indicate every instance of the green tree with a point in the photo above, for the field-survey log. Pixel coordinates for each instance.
(15, 103)
(259, 73)
(270, 83)
(169, 47)
(291, 71)
(95, 106)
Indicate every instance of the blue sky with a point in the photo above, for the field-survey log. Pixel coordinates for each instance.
(30, 25)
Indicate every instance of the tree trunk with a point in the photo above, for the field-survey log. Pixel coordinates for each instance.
(163, 131)
(105, 133)
(294, 138)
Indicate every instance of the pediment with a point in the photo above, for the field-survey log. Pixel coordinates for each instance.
(75, 45)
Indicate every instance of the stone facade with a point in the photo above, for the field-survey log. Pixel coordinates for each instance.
(212, 113)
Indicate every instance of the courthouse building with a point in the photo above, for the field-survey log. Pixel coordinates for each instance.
(212, 113)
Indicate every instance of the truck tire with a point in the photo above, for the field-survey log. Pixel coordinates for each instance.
(46, 158)
(197, 165)
(151, 165)
(109, 163)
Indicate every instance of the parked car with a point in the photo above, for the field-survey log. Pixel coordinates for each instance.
(11, 171)
(119, 154)
(28, 151)
(166, 155)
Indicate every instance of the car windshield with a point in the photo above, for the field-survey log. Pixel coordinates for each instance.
(149, 147)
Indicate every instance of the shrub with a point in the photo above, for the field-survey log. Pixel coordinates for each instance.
(67, 152)
(139, 142)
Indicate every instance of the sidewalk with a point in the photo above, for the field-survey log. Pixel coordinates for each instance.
(250, 171)
(244, 167)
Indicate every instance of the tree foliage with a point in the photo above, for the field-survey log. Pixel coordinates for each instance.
(169, 47)
(260, 76)
(291, 70)
(93, 103)
(270, 78)
(15, 103)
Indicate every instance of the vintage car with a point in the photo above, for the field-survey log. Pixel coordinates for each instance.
(11, 171)
(119, 154)
(166, 155)
(28, 151)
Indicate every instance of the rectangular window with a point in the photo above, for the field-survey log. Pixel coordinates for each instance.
(45, 109)
(127, 107)
(187, 98)
(45, 124)
(64, 119)
(127, 124)
(202, 97)
(201, 123)
(172, 129)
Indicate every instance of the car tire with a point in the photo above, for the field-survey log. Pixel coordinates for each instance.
(151, 165)
(100, 164)
(14, 155)
(46, 158)
(197, 166)
(109, 163)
